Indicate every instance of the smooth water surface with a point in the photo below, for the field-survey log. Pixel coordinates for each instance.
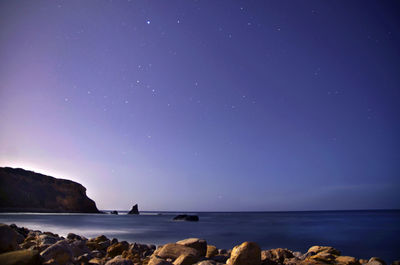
(362, 234)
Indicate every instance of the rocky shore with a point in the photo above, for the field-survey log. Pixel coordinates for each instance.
(22, 246)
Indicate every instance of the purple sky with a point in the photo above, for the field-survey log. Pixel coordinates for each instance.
(206, 105)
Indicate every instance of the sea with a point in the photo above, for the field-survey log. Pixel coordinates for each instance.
(362, 234)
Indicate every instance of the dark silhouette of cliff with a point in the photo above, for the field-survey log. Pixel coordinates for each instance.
(26, 191)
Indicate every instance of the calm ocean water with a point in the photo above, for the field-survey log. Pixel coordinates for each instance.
(362, 234)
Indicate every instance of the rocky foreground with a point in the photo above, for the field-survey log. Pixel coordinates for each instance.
(21, 246)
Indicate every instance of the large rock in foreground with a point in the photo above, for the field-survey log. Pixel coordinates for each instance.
(27, 191)
(248, 253)
(20, 257)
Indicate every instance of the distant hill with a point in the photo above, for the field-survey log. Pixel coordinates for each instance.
(26, 191)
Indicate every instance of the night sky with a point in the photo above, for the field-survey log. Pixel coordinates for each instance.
(206, 105)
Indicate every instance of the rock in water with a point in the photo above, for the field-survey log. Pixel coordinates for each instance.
(21, 257)
(248, 253)
(185, 217)
(134, 210)
(27, 191)
(114, 212)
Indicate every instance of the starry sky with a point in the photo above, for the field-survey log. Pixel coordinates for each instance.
(206, 105)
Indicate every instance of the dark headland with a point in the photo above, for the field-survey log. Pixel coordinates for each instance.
(26, 191)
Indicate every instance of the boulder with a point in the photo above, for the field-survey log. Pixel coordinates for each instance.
(117, 249)
(198, 244)
(79, 248)
(20, 257)
(114, 212)
(376, 261)
(186, 260)
(73, 236)
(8, 239)
(324, 257)
(206, 262)
(318, 249)
(154, 260)
(47, 239)
(96, 261)
(248, 253)
(278, 255)
(173, 251)
(134, 210)
(185, 217)
(60, 252)
(211, 251)
(119, 261)
(346, 260)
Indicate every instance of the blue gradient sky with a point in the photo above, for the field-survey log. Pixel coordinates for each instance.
(206, 105)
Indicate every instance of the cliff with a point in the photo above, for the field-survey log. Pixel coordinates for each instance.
(27, 191)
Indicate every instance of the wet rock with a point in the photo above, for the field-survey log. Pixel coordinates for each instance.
(211, 251)
(219, 258)
(114, 212)
(154, 260)
(47, 239)
(20, 257)
(376, 261)
(318, 249)
(79, 248)
(185, 217)
(396, 262)
(173, 251)
(119, 261)
(278, 255)
(186, 260)
(117, 249)
(198, 244)
(60, 252)
(73, 236)
(84, 258)
(207, 262)
(8, 239)
(346, 260)
(134, 210)
(324, 257)
(248, 253)
(28, 244)
(98, 253)
(96, 261)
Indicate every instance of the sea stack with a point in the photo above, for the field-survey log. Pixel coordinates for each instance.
(134, 210)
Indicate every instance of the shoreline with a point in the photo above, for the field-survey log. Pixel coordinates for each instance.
(20, 245)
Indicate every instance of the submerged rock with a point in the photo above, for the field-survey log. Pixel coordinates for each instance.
(134, 210)
(185, 217)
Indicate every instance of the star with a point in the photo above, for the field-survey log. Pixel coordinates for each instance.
(148, 22)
